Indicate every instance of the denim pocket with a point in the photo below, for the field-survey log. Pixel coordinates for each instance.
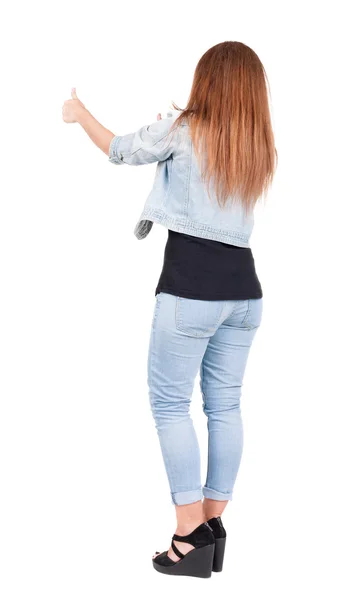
(199, 318)
(254, 313)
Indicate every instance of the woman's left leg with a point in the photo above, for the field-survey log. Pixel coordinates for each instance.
(180, 335)
(175, 355)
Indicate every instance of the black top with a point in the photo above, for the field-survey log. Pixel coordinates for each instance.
(205, 269)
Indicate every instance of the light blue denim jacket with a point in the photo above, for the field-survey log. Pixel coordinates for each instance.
(178, 199)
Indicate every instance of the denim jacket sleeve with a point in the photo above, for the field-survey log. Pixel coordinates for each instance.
(150, 143)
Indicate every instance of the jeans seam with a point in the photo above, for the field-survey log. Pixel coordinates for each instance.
(202, 384)
(244, 321)
(150, 361)
(220, 321)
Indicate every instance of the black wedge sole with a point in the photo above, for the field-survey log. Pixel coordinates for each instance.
(196, 563)
(220, 545)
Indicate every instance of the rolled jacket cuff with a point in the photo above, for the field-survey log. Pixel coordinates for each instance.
(114, 156)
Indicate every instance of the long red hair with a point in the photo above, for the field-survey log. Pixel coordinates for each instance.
(230, 124)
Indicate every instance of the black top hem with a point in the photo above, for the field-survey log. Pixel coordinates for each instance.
(227, 296)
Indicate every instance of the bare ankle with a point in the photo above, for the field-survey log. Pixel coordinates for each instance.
(212, 516)
(213, 508)
(186, 528)
(189, 516)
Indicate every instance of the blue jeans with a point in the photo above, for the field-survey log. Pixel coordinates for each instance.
(213, 337)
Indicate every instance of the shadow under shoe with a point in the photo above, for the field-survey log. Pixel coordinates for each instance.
(196, 563)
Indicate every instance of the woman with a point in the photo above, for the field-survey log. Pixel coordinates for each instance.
(215, 158)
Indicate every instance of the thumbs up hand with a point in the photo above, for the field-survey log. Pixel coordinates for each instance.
(71, 108)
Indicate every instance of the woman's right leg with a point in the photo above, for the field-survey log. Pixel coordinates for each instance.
(222, 371)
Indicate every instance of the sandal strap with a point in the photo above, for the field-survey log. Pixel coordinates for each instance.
(184, 538)
(176, 551)
(201, 536)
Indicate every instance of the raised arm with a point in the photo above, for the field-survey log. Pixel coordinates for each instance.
(150, 143)
(74, 111)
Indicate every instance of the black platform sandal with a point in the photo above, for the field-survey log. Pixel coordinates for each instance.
(196, 563)
(220, 542)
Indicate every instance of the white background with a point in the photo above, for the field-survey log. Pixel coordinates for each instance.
(84, 496)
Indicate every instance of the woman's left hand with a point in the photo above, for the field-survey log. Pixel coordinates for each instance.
(71, 109)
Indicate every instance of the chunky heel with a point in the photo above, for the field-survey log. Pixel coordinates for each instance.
(220, 542)
(196, 563)
(220, 545)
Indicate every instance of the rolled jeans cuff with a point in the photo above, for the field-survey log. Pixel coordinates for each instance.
(180, 498)
(215, 495)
